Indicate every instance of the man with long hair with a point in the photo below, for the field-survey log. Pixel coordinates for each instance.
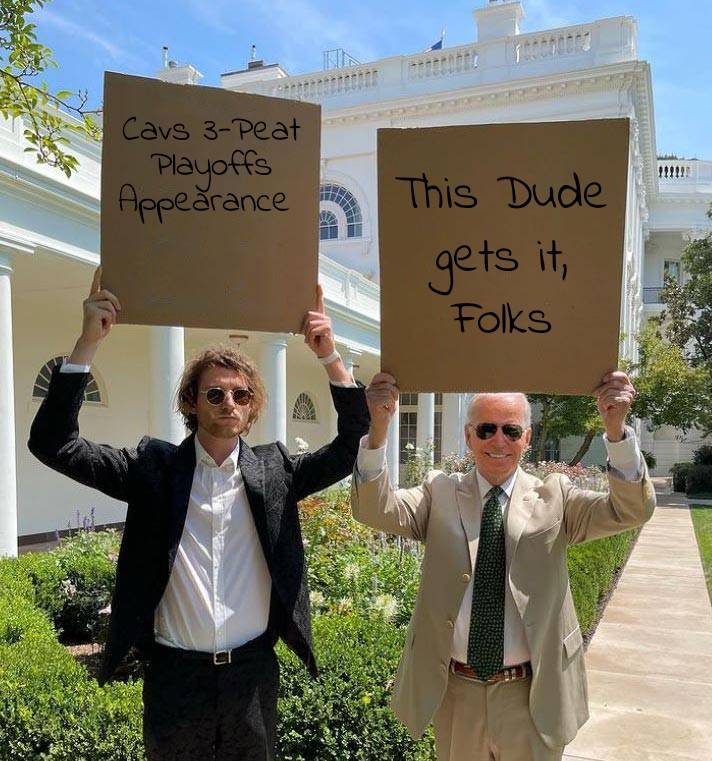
(211, 570)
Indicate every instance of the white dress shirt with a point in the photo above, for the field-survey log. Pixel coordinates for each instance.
(625, 461)
(210, 604)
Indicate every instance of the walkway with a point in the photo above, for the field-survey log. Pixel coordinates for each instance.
(650, 661)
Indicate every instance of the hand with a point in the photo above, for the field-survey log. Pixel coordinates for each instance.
(317, 329)
(614, 398)
(100, 310)
(382, 399)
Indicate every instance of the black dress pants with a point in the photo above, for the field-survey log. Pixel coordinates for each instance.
(194, 710)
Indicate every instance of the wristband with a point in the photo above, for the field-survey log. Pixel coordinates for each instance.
(330, 358)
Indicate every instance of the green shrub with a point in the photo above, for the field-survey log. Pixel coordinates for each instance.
(345, 715)
(699, 480)
(49, 707)
(679, 475)
(74, 582)
(592, 567)
(703, 455)
(650, 459)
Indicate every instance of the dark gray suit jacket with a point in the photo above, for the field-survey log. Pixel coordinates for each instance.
(155, 480)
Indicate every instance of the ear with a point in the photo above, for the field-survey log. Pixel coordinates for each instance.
(528, 436)
(469, 433)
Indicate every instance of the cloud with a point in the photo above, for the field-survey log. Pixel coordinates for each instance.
(78, 31)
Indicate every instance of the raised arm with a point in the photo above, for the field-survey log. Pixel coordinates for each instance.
(314, 471)
(54, 435)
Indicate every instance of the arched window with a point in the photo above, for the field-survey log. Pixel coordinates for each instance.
(91, 392)
(328, 225)
(349, 205)
(304, 409)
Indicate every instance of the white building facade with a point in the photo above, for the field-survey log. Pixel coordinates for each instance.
(49, 245)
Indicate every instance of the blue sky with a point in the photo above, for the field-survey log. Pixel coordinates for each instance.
(89, 36)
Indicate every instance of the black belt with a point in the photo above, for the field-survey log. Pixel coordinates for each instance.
(265, 641)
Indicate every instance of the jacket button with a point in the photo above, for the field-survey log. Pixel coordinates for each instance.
(465, 577)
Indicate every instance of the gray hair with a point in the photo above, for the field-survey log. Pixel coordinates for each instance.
(522, 397)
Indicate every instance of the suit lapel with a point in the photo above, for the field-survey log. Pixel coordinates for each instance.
(253, 474)
(521, 506)
(181, 484)
(469, 505)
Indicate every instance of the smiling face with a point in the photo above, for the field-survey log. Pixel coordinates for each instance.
(498, 457)
(226, 420)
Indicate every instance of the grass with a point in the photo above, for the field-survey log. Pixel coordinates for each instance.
(702, 521)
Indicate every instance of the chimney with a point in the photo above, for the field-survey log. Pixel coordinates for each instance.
(177, 74)
(251, 78)
(499, 18)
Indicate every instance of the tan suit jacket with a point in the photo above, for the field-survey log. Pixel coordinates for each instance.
(543, 519)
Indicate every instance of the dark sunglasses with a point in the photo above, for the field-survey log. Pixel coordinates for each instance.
(487, 431)
(216, 395)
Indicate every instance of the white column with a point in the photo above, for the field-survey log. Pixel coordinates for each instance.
(425, 431)
(393, 449)
(273, 366)
(8, 473)
(350, 359)
(451, 428)
(167, 357)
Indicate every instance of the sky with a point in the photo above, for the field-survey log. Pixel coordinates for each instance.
(90, 36)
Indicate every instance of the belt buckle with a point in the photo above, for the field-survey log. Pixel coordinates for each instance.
(222, 657)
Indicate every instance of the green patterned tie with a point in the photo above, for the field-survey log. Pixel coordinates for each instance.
(485, 647)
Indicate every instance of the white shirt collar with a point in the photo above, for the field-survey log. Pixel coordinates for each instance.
(202, 456)
(506, 487)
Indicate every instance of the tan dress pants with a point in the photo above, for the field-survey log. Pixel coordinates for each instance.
(478, 722)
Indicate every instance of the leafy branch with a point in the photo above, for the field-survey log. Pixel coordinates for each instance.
(49, 117)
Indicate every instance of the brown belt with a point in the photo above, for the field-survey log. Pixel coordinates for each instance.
(509, 674)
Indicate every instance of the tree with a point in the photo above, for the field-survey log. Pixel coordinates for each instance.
(670, 390)
(687, 317)
(566, 416)
(49, 117)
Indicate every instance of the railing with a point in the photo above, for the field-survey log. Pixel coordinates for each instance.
(442, 63)
(557, 42)
(675, 170)
(653, 295)
(327, 83)
(583, 46)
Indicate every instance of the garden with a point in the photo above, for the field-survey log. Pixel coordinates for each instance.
(54, 605)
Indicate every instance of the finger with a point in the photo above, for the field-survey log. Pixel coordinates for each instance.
(104, 294)
(383, 378)
(320, 299)
(104, 306)
(96, 281)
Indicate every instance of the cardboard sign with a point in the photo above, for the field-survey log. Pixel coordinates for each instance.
(209, 205)
(501, 254)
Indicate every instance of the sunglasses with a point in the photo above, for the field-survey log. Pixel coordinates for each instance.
(487, 431)
(216, 395)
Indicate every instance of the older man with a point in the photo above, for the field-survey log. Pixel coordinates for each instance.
(494, 651)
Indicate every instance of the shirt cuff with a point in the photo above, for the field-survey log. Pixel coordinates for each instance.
(624, 457)
(344, 384)
(68, 367)
(370, 463)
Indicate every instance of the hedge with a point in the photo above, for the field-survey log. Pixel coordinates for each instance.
(363, 591)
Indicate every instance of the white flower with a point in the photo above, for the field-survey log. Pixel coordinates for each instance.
(302, 446)
(69, 589)
(409, 446)
(385, 606)
(351, 571)
(344, 605)
(316, 599)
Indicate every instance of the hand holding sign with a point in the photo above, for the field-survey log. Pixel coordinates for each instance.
(317, 330)
(614, 397)
(382, 398)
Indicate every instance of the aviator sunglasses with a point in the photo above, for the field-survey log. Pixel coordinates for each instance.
(487, 431)
(216, 395)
